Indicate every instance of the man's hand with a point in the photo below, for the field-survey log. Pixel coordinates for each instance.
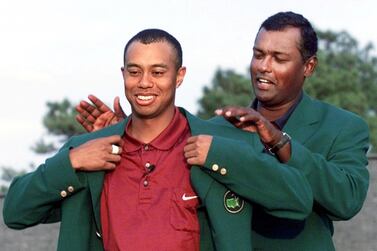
(196, 149)
(97, 115)
(250, 120)
(96, 154)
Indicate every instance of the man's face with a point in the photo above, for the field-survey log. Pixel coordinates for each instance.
(277, 69)
(150, 79)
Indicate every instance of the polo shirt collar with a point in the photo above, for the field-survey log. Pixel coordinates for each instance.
(170, 136)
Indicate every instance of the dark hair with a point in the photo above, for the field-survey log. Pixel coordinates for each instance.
(149, 36)
(282, 20)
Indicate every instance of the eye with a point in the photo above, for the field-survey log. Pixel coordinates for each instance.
(258, 55)
(280, 59)
(157, 73)
(133, 72)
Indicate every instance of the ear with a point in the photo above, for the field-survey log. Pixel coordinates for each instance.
(310, 65)
(180, 76)
(122, 70)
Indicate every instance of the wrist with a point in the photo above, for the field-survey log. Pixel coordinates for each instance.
(284, 139)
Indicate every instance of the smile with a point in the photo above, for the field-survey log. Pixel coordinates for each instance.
(145, 98)
(264, 81)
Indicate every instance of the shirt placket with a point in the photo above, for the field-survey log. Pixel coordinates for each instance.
(148, 166)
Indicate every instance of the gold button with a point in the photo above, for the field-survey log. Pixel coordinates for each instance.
(70, 189)
(223, 171)
(63, 194)
(215, 167)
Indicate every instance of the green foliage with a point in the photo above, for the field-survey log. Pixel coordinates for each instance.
(7, 175)
(228, 88)
(59, 121)
(346, 76)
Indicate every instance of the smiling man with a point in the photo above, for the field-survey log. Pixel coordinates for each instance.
(293, 138)
(129, 186)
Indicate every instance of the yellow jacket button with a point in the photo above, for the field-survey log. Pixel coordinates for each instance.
(70, 189)
(223, 171)
(63, 194)
(215, 167)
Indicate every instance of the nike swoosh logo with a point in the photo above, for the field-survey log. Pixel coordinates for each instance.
(184, 197)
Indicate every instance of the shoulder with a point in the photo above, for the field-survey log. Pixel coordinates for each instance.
(339, 116)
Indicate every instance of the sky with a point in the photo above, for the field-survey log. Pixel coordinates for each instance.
(51, 50)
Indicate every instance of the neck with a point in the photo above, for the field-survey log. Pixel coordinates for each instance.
(273, 112)
(147, 129)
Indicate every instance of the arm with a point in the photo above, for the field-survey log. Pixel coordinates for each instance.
(258, 177)
(332, 163)
(263, 179)
(339, 179)
(37, 196)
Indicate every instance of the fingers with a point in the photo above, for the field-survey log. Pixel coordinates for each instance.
(87, 111)
(87, 126)
(97, 154)
(114, 140)
(99, 104)
(196, 149)
(242, 117)
(235, 112)
(118, 109)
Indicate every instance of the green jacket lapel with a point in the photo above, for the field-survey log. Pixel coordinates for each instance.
(301, 124)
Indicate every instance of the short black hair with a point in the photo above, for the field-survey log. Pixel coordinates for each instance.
(149, 36)
(282, 20)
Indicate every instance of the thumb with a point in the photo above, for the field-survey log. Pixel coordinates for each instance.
(118, 109)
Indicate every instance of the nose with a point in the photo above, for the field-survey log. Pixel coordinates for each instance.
(145, 81)
(264, 65)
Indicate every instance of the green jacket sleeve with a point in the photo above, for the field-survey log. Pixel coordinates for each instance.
(258, 177)
(339, 180)
(36, 197)
(329, 170)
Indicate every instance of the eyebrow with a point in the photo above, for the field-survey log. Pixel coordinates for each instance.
(273, 52)
(154, 65)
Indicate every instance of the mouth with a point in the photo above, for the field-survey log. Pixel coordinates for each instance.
(145, 99)
(264, 83)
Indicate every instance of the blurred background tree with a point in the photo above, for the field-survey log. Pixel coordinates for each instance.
(60, 122)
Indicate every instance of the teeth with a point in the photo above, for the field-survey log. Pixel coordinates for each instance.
(263, 80)
(144, 97)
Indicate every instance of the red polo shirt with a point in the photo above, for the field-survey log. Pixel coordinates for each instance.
(147, 202)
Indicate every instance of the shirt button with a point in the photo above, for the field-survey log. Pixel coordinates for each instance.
(70, 189)
(147, 165)
(223, 171)
(63, 194)
(146, 147)
(145, 183)
(215, 167)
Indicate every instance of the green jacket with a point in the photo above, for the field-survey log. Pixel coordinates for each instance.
(277, 198)
(329, 148)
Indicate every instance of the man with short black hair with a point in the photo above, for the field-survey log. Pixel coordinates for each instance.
(292, 134)
(129, 187)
